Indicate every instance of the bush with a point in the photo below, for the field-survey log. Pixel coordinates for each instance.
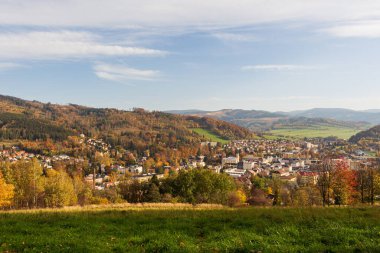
(236, 198)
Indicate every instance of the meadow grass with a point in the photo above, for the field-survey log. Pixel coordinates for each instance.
(186, 229)
(313, 132)
(210, 135)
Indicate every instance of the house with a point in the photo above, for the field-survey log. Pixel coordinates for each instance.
(234, 172)
(136, 169)
(230, 161)
(280, 173)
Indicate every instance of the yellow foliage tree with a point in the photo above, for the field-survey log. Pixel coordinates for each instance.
(6, 193)
(59, 189)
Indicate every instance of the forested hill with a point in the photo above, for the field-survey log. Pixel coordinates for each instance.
(372, 134)
(137, 129)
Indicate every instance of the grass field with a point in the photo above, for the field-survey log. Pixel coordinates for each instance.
(322, 131)
(192, 230)
(210, 135)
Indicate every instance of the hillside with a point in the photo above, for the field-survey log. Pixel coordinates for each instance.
(135, 130)
(372, 134)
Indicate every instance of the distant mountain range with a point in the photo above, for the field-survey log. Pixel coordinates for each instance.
(263, 120)
(370, 116)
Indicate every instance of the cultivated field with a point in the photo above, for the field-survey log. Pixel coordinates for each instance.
(209, 135)
(187, 229)
(312, 132)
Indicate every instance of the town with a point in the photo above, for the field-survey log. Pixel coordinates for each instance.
(294, 163)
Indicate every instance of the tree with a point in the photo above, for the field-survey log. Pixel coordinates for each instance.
(307, 196)
(28, 182)
(362, 176)
(59, 189)
(344, 184)
(276, 186)
(199, 186)
(153, 194)
(82, 190)
(258, 182)
(373, 181)
(324, 183)
(236, 198)
(6, 193)
(133, 191)
(301, 197)
(259, 198)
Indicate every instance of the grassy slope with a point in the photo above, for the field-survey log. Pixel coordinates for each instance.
(209, 135)
(325, 131)
(176, 230)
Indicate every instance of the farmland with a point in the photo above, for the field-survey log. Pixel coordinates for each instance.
(210, 135)
(188, 229)
(316, 131)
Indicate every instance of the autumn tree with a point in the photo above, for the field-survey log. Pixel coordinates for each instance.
(324, 183)
(236, 198)
(343, 184)
(368, 182)
(59, 189)
(29, 184)
(307, 196)
(6, 193)
(82, 190)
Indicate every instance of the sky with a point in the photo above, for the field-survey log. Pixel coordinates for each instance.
(276, 55)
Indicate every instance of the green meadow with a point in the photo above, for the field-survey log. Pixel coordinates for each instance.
(210, 135)
(313, 132)
(192, 230)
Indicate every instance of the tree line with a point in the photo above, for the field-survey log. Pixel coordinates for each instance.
(26, 184)
(336, 184)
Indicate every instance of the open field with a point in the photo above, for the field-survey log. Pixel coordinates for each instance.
(186, 229)
(209, 135)
(311, 132)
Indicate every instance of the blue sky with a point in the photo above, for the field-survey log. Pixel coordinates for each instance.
(165, 54)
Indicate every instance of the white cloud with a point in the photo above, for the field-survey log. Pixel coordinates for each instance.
(364, 29)
(9, 65)
(122, 73)
(276, 67)
(235, 37)
(63, 44)
(184, 13)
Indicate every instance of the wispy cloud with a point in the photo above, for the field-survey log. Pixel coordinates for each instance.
(9, 65)
(120, 73)
(238, 37)
(277, 67)
(363, 29)
(63, 44)
(184, 13)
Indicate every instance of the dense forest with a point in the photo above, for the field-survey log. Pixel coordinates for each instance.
(370, 134)
(136, 130)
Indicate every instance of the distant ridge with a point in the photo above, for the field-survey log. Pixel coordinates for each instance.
(259, 120)
(371, 116)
